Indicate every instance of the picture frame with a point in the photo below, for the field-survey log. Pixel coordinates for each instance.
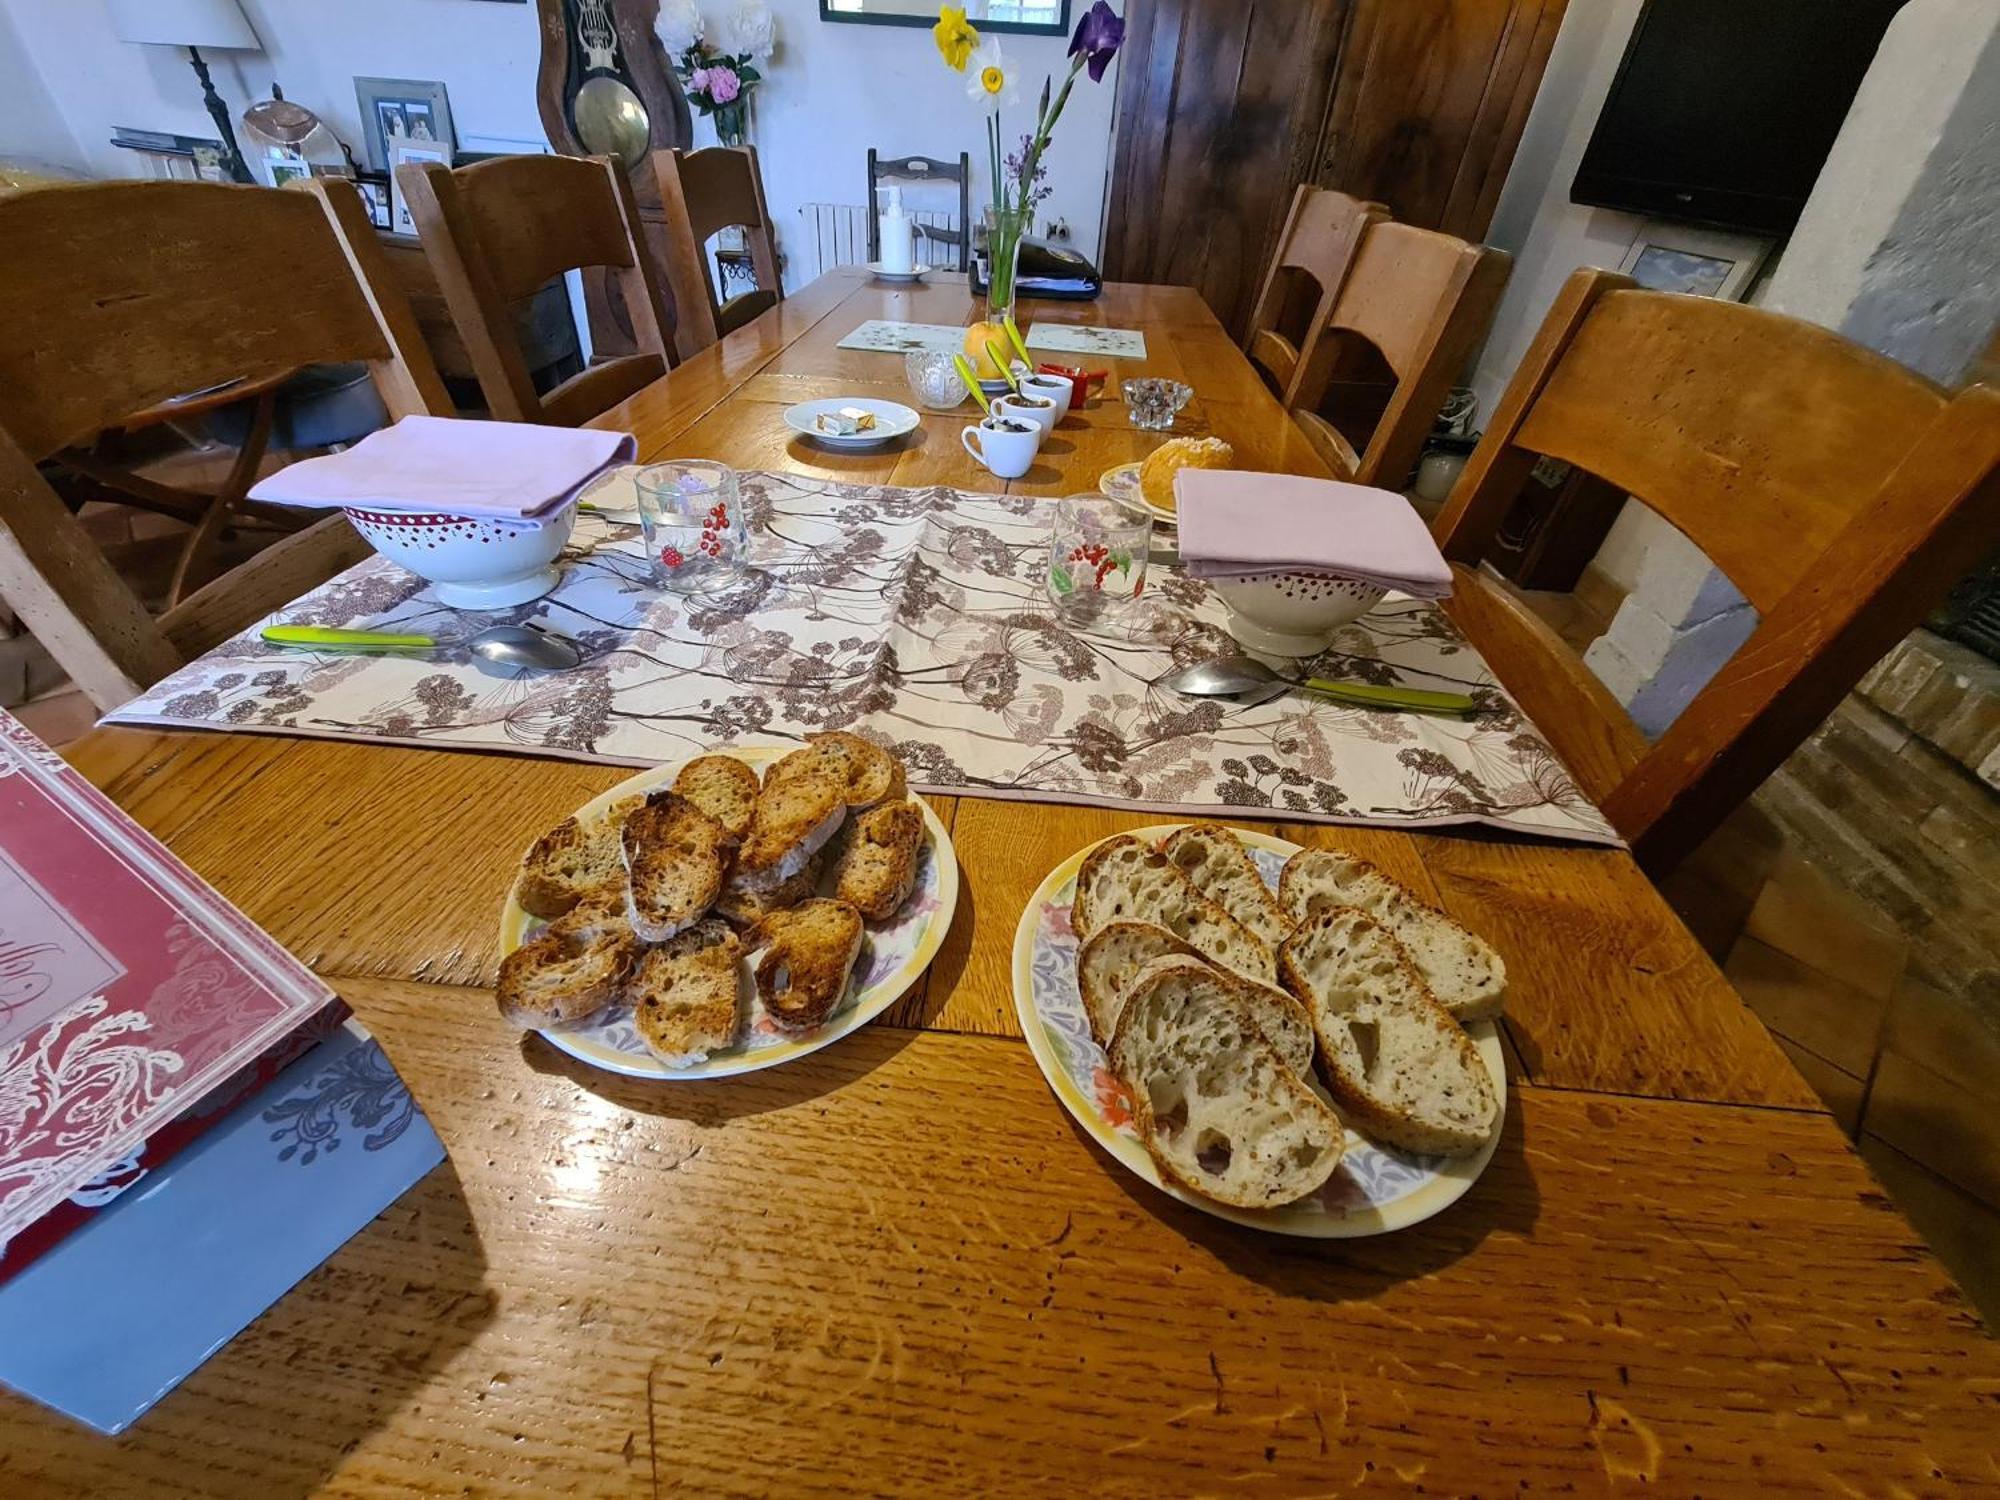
(414, 108)
(1719, 263)
(1022, 17)
(401, 153)
(375, 198)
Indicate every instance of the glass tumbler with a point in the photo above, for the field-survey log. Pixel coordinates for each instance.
(934, 381)
(693, 521)
(1097, 558)
(1155, 402)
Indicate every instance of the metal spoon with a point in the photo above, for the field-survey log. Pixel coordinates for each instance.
(1250, 681)
(521, 647)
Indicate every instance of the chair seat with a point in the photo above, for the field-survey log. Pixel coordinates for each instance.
(1588, 727)
(316, 408)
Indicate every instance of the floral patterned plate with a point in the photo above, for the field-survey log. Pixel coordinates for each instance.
(1121, 483)
(1374, 1190)
(893, 954)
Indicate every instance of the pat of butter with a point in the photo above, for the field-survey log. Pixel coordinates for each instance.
(862, 418)
(836, 424)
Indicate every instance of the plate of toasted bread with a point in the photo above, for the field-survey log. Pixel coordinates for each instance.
(728, 912)
(1279, 1036)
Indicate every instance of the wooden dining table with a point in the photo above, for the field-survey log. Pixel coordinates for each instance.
(896, 1265)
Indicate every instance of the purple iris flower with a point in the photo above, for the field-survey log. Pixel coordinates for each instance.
(1098, 37)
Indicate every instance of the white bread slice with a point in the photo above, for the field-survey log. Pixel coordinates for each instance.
(723, 787)
(878, 862)
(676, 856)
(559, 979)
(1214, 858)
(1281, 1017)
(1402, 1070)
(809, 951)
(572, 859)
(1464, 973)
(1109, 963)
(686, 994)
(1124, 880)
(796, 814)
(1215, 1103)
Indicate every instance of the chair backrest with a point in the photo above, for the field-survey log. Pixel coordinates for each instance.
(883, 169)
(1422, 300)
(120, 295)
(702, 193)
(496, 233)
(1319, 239)
(1840, 492)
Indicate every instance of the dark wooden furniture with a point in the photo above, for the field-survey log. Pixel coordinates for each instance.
(1840, 492)
(703, 193)
(1420, 302)
(208, 283)
(924, 169)
(1225, 108)
(606, 46)
(496, 232)
(1675, 1273)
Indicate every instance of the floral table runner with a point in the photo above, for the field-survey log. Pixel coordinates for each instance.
(917, 617)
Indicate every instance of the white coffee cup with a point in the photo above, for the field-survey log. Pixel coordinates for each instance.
(1006, 454)
(1044, 416)
(1056, 387)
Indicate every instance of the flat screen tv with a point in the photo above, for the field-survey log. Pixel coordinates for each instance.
(1723, 111)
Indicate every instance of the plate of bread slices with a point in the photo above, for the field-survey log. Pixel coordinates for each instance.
(1283, 1037)
(729, 912)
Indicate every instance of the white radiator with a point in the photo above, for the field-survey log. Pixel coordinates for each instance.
(836, 234)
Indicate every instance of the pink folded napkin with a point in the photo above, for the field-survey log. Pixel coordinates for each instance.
(1233, 524)
(509, 470)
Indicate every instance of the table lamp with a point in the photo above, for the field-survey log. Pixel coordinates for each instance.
(193, 24)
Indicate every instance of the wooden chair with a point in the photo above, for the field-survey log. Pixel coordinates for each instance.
(703, 193)
(1841, 493)
(1314, 248)
(119, 295)
(923, 169)
(496, 233)
(1421, 301)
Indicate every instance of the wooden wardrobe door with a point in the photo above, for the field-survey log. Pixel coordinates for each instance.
(1220, 109)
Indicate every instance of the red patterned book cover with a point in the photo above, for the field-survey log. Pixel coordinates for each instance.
(136, 1004)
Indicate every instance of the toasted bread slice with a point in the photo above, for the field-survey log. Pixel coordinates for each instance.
(723, 787)
(747, 908)
(808, 954)
(1214, 858)
(872, 775)
(1123, 879)
(1401, 1069)
(1215, 1102)
(559, 979)
(572, 859)
(676, 856)
(1464, 973)
(686, 994)
(796, 814)
(878, 863)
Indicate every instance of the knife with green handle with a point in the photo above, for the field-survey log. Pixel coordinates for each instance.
(1367, 694)
(365, 640)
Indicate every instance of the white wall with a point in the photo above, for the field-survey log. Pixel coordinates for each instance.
(832, 91)
(32, 131)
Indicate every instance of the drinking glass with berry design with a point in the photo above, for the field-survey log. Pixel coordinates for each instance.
(692, 516)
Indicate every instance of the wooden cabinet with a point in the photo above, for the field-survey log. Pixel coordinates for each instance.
(1225, 106)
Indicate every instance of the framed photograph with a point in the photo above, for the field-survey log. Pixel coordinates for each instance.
(1669, 257)
(407, 108)
(401, 152)
(374, 190)
(282, 164)
(1031, 17)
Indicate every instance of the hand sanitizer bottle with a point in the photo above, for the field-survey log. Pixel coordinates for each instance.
(896, 235)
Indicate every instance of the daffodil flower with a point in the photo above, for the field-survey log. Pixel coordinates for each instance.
(987, 80)
(955, 36)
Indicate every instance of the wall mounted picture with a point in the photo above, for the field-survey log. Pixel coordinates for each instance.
(1670, 257)
(410, 109)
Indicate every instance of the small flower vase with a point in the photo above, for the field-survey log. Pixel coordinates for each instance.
(732, 122)
(1004, 228)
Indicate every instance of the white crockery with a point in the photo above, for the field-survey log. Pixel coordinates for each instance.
(1055, 387)
(1044, 417)
(1293, 613)
(1006, 455)
(471, 562)
(892, 420)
